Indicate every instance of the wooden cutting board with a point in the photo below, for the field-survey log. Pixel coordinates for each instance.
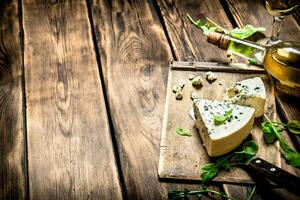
(182, 157)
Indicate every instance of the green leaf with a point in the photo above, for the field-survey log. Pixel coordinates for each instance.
(294, 126)
(182, 132)
(209, 171)
(206, 27)
(268, 134)
(226, 165)
(292, 157)
(247, 153)
(245, 32)
(220, 119)
(244, 155)
(250, 148)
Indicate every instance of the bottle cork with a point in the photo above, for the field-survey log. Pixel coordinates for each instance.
(218, 39)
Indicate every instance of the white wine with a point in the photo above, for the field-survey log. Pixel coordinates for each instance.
(281, 61)
(281, 7)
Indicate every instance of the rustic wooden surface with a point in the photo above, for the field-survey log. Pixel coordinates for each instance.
(95, 82)
(70, 152)
(13, 166)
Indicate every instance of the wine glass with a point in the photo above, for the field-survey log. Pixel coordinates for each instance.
(279, 9)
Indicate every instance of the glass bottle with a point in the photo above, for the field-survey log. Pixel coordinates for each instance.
(281, 60)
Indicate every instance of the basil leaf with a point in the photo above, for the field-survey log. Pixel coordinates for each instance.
(220, 119)
(268, 134)
(209, 171)
(293, 158)
(246, 31)
(205, 27)
(250, 148)
(182, 132)
(248, 152)
(245, 154)
(294, 126)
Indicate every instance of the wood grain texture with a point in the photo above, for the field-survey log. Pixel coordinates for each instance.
(13, 166)
(70, 150)
(253, 12)
(182, 157)
(188, 41)
(134, 55)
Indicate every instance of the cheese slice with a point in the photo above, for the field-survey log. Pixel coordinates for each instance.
(223, 138)
(249, 92)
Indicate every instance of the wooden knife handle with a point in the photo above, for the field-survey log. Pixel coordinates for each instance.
(276, 174)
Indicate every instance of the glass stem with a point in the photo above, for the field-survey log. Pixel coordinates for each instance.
(277, 23)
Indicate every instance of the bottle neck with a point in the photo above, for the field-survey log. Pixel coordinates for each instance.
(241, 48)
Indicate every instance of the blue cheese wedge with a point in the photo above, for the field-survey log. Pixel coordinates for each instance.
(223, 138)
(249, 92)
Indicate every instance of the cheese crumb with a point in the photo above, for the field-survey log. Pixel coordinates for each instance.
(177, 89)
(210, 76)
(179, 95)
(197, 81)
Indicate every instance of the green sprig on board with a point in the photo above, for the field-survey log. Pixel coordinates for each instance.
(272, 132)
(243, 155)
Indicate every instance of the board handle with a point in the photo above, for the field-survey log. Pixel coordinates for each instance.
(276, 174)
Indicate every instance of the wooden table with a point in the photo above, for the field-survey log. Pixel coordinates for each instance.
(82, 91)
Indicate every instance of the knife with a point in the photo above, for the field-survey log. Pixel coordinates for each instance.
(271, 172)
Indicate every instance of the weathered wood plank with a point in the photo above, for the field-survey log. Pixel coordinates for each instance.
(70, 151)
(134, 55)
(253, 12)
(13, 166)
(187, 41)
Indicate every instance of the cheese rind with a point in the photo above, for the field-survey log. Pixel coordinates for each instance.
(249, 92)
(221, 139)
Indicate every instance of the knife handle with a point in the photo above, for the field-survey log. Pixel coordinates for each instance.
(276, 174)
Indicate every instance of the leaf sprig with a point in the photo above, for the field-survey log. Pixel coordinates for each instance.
(177, 194)
(271, 132)
(242, 155)
(204, 190)
(210, 26)
(182, 132)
